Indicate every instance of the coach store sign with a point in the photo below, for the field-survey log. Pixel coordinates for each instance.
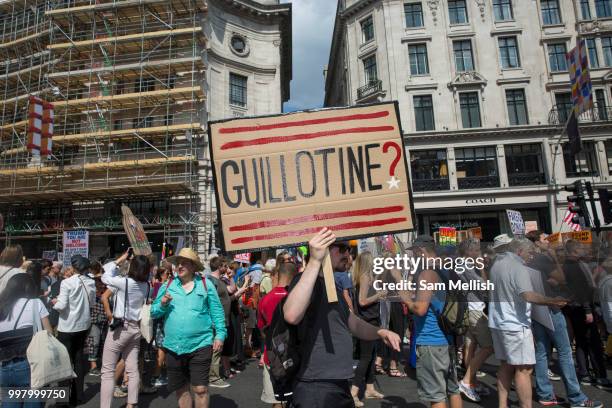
(479, 201)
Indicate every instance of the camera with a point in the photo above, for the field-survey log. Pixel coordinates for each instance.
(115, 323)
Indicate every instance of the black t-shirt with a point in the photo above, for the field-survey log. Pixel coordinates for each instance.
(546, 265)
(326, 344)
(224, 297)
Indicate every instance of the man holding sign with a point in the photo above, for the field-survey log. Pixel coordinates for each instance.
(326, 331)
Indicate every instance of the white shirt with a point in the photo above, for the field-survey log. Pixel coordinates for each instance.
(26, 317)
(73, 303)
(6, 273)
(137, 292)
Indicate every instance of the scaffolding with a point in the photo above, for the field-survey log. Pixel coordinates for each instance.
(126, 79)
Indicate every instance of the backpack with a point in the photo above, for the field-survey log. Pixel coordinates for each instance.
(283, 353)
(453, 319)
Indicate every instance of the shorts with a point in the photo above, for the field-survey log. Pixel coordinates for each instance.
(322, 394)
(514, 347)
(478, 329)
(436, 375)
(267, 394)
(192, 368)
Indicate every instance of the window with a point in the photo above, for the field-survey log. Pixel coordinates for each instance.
(148, 121)
(585, 10)
(609, 155)
(117, 124)
(476, 167)
(457, 11)
(550, 12)
(603, 8)
(238, 44)
(168, 119)
(508, 51)
(517, 107)
(238, 90)
(146, 84)
(556, 57)
(369, 68)
(464, 59)
(524, 164)
(601, 105)
(583, 164)
(423, 113)
(502, 9)
(564, 105)
(418, 59)
(593, 57)
(367, 29)
(606, 46)
(470, 109)
(429, 170)
(414, 15)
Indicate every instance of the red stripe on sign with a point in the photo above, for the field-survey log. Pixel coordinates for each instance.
(308, 122)
(304, 136)
(317, 217)
(306, 231)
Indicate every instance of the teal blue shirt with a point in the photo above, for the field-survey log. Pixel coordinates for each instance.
(190, 317)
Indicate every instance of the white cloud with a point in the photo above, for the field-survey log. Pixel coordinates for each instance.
(313, 23)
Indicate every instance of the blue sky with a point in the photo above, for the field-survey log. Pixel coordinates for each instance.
(313, 22)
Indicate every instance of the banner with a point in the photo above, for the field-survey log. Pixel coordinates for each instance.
(475, 233)
(555, 238)
(280, 179)
(581, 236)
(75, 243)
(517, 225)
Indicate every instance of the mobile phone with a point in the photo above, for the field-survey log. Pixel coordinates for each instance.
(130, 252)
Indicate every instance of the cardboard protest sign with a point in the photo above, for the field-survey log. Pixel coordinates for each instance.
(475, 233)
(135, 232)
(517, 225)
(581, 236)
(49, 255)
(280, 179)
(555, 238)
(531, 226)
(75, 243)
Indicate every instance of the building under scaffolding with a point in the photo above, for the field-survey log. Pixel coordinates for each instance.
(130, 82)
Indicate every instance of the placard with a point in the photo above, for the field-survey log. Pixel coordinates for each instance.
(531, 226)
(243, 258)
(447, 236)
(586, 237)
(75, 243)
(475, 233)
(49, 255)
(554, 238)
(135, 232)
(280, 179)
(517, 225)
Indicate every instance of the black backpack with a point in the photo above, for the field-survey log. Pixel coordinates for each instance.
(453, 319)
(282, 346)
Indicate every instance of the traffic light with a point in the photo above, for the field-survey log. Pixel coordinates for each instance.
(606, 206)
(577, 203)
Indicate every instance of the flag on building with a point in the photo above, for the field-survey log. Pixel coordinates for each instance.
(580, 78)
(573, 134)
(568, 220)
(40, 127)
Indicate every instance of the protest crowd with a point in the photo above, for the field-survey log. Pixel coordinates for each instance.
(142, 324)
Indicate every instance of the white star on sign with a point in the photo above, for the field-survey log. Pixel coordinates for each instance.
(393, 183)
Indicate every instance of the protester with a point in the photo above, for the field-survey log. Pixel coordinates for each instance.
(367, 307)
(250, 302)
(218, 266)
(11, 260)
(589, 347)
(74, 302)
(323, 379)
(46, 280)
(19, 304)
(123, 338)
(191, 307)
(34, 269)
(549, 328)
(345, 285)
(234, 335)
(510, 317)
(269, 276)
(99, 324)
(436, 370)
(164, 272)
(478, 334)
(285, 274)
